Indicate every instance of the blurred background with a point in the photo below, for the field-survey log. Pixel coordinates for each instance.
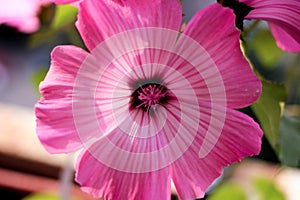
(28, 172)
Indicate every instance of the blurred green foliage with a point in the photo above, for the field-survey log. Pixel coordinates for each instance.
(280, 75)
(267, 190)
(289, 141)
(64, 15)
(58, 25)
(41, 196)
(264, 46)
(228, 191)
(269, 108)
(45, 196)
(264, 188)
(38, 76)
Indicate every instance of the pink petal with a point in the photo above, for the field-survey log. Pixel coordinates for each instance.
(196, 170)
(55, 123)
(284, 40)
(284, 14)
(30, 25)
(101, 181)
(21, 14)
(65, 1)
(214, 29)
(72, 2)
(99, 20)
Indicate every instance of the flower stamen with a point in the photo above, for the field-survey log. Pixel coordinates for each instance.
(149, 95)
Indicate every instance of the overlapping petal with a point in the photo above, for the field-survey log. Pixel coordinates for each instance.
(72, 2)
(99, 20)
(55, 123)
(284, 18)
(65, 1)
(108, 183)
(196, 170)
(241, 85)
(283, 39)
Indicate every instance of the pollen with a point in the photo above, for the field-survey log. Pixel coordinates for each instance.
(149, 95)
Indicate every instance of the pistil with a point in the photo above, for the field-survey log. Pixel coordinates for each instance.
(149, 95)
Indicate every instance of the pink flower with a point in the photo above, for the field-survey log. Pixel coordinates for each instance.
(283, 18)
(149, 105)
(21, 14)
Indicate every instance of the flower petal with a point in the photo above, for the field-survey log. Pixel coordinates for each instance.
(214, 29)
(284, 40)
(284, 14)
(98, 20)
(64, 1)
(195, 170)
(21, 14)
(55, 124)
(101, 181)
(72, 2)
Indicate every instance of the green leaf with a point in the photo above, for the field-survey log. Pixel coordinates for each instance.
(46, 15)
(228, 191)
(39, 196)
(289, 141)
(268, 109)
(43, 36)
(64, 15)
(38, 76)
(267, 190)
(265, 48)
(44, 196)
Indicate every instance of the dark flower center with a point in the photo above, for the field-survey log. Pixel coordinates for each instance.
(149, 95)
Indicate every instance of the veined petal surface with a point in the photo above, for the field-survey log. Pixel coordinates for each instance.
(196, 170)
(55, 123)
(147, 99)
(214, 29)
(99, 20)
(283, 39)
(284, 19)
(108, 183)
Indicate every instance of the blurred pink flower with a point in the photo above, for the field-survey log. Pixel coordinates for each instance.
(148, 104)
(283, 17)
(73, 2)
(21, 14)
